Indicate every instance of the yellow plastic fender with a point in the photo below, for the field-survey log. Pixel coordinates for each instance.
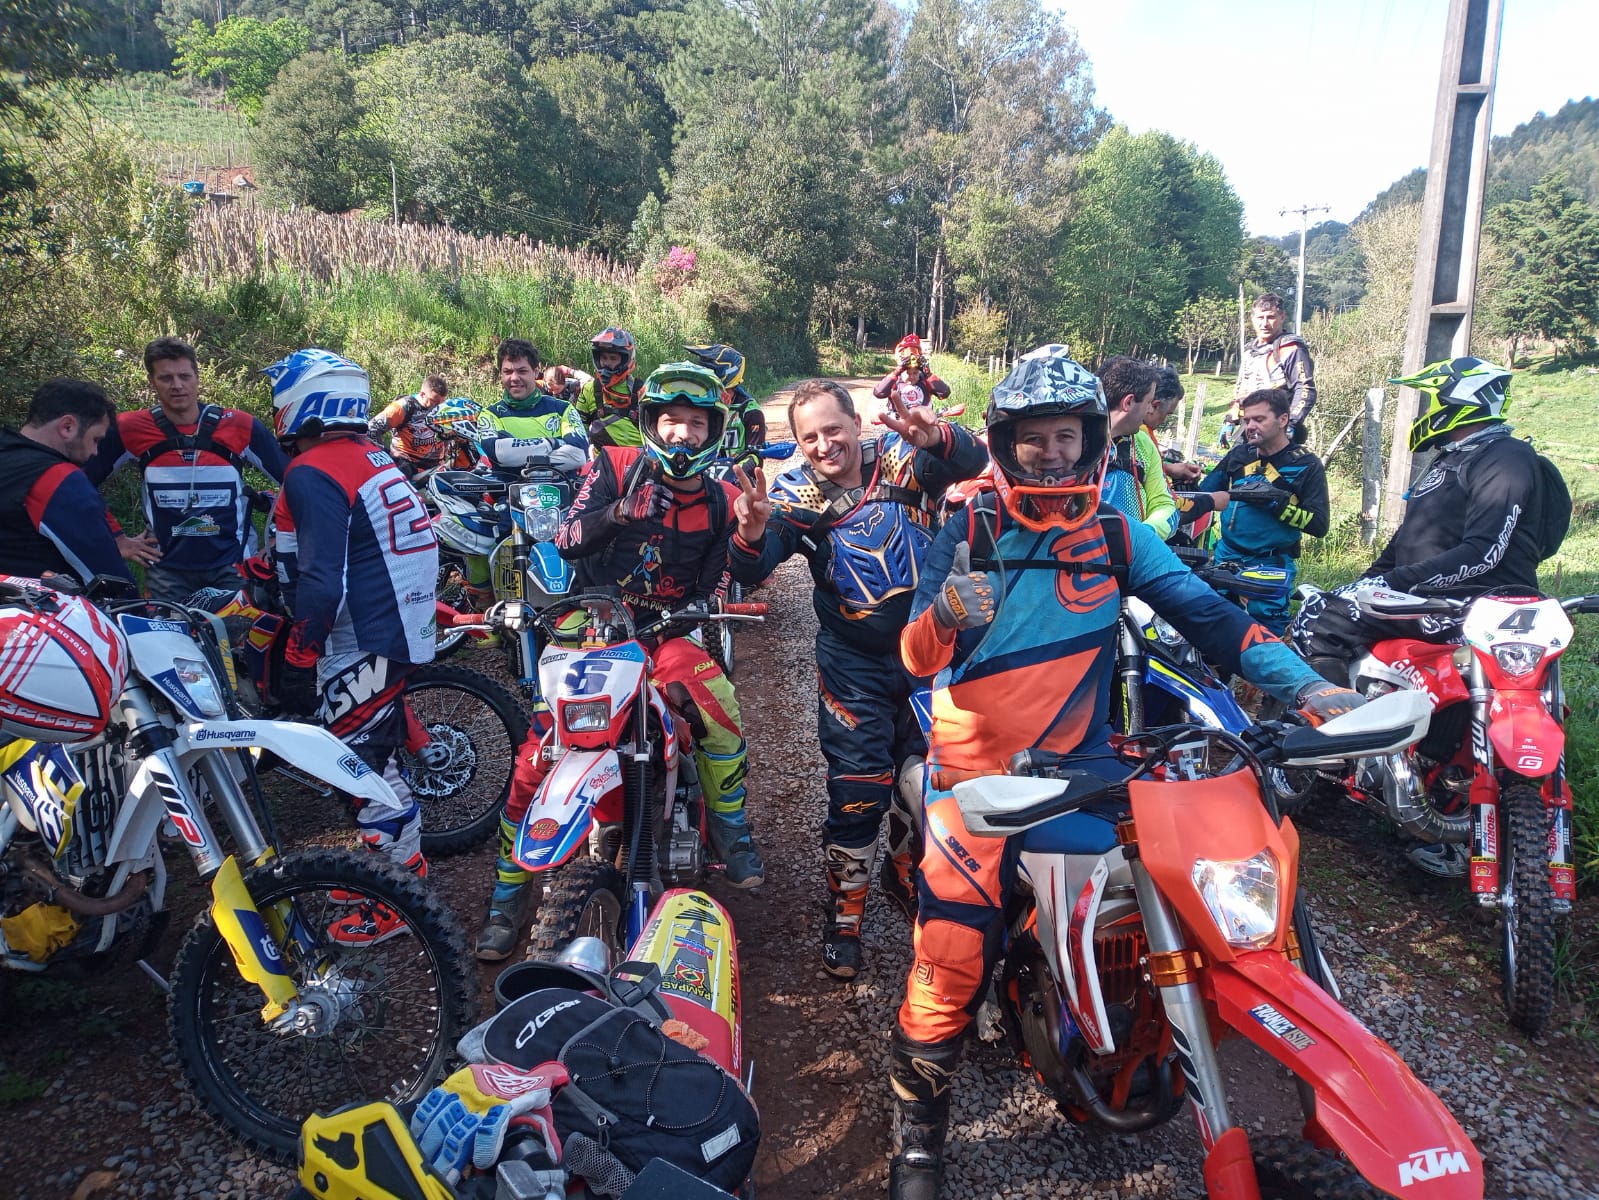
(365, 1152)
(255, 949)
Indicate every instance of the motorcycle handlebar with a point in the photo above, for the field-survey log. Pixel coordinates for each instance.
(1581, 604)
(748, 609)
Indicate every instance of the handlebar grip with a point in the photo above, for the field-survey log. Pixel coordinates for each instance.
(751, 609)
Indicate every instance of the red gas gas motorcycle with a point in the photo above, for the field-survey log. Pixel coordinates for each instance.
(1503, 790)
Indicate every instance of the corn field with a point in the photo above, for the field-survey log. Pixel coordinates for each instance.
(234, 240)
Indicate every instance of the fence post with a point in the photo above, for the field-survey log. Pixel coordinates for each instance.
(1191, 442)
(1182, 421)
(1371, 467)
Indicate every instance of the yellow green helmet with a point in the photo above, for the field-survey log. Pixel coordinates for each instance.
(682, 383)
(1455, 393)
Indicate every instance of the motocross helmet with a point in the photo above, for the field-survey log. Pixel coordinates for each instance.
(458, 417)
(908, 348)
(615, 341)
(1047, 383)
(66, 664)
(682, 383)
(314, 391)
(726, 363)
(1455, 393)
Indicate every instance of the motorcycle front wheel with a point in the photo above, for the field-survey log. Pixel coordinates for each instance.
(462, 777)
(1289, 1169)
(719, 634)
(451, 590)
(1526, 904)
(381, 1019)
(583, 899)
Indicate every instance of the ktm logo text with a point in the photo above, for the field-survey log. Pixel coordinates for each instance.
(1425, 1165)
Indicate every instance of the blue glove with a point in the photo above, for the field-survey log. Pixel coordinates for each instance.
(463, 1122)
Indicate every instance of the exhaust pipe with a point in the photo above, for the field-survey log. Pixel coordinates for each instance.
(1409, 808)
(70, 898)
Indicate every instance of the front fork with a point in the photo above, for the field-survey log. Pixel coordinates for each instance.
(255, 938)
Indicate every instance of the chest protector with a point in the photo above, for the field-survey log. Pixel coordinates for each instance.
(865, 544)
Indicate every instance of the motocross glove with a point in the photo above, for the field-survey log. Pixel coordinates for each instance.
(1257, 490)
(966, 601)
(297, 690)
(1323, 701)
(645, 502)
(463, 1122)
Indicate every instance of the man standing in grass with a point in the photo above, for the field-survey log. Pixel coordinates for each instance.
(1274, 360)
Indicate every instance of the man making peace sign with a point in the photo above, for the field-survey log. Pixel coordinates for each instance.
(862, 512)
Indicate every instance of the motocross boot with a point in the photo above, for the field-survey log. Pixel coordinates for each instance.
(730, 838)
(848, 871)
(922, 1074)
(897, 872)
(1331, 668)
(508, 907)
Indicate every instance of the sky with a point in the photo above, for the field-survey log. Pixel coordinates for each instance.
(1317, 102)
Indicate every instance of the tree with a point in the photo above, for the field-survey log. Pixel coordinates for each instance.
(306, 139)
(1207, 321)
(1152, 223)
(1264, 266)
(1549, 285)
(242, 53)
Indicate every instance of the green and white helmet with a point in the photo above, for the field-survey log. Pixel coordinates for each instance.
(1455, 393)
(693, 385)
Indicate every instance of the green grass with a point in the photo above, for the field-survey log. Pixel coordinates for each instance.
(171, 127)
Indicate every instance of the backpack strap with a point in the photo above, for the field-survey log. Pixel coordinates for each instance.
(982, 530)
(840, 502)
(202, 440)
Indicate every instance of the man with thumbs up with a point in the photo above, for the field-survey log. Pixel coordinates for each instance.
(862, 512)
(1016, 618)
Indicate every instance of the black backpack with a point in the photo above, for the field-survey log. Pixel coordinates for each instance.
(634, 1091)
(1554, 507)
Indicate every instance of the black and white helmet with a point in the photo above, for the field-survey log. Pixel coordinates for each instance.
(1048, 382)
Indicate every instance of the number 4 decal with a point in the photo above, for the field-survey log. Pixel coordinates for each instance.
(1520, 621)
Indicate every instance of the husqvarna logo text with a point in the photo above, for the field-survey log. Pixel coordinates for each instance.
(1425, 1165)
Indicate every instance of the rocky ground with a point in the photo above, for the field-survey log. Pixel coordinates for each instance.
(92, 1105)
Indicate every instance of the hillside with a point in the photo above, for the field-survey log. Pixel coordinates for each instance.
(1567, 141)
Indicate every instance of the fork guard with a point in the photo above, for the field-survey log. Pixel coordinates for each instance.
(1369, 1105)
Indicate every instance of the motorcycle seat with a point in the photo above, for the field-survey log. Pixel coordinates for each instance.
(1087, 831)
(469, 484)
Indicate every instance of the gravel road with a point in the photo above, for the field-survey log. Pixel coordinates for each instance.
(114, 1120)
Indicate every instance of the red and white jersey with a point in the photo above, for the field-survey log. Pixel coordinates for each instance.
(356, 554)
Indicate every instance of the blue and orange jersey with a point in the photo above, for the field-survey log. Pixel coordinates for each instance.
(195, 500)
(51, 518)
(1040, 675)
(356, 555)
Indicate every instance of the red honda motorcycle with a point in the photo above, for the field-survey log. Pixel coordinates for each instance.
(1503, 791)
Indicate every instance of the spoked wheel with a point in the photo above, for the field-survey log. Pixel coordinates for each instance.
(1526, 902)
(1293, 787)
(584, 899)
(1289, 1169)
(719, 636)
(463, 775)
(450, 589)
(374, 1022)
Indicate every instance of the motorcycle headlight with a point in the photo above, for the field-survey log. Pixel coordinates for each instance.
(1165, 633)
(1518, 658)
(586, 716)
(200, 684)
(542, 524)
(1241, 897)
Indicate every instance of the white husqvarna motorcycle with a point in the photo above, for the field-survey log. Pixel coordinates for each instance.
(271, 1017)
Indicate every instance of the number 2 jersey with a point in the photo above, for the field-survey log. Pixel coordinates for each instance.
(356, 555)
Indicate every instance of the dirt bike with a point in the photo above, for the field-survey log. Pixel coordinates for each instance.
(517, 521)
(720, 640)
(463, 728)
(1134, 948)
(270, 1018)
(622, 784)
(1503, 789)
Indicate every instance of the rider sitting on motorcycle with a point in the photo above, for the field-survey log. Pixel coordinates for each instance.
(525, 424)
(1259, 529)
(1017, 613)
(727, 364)
(651, 523)
(911, 371)
(357, 562)
(610, 404)
(863, 514)
(1472, 525)
(1134, 482)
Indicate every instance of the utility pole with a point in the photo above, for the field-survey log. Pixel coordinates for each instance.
(394, 191)
(1445, 283)
(1304, 211)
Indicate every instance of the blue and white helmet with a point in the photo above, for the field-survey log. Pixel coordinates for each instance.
(316, 390)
